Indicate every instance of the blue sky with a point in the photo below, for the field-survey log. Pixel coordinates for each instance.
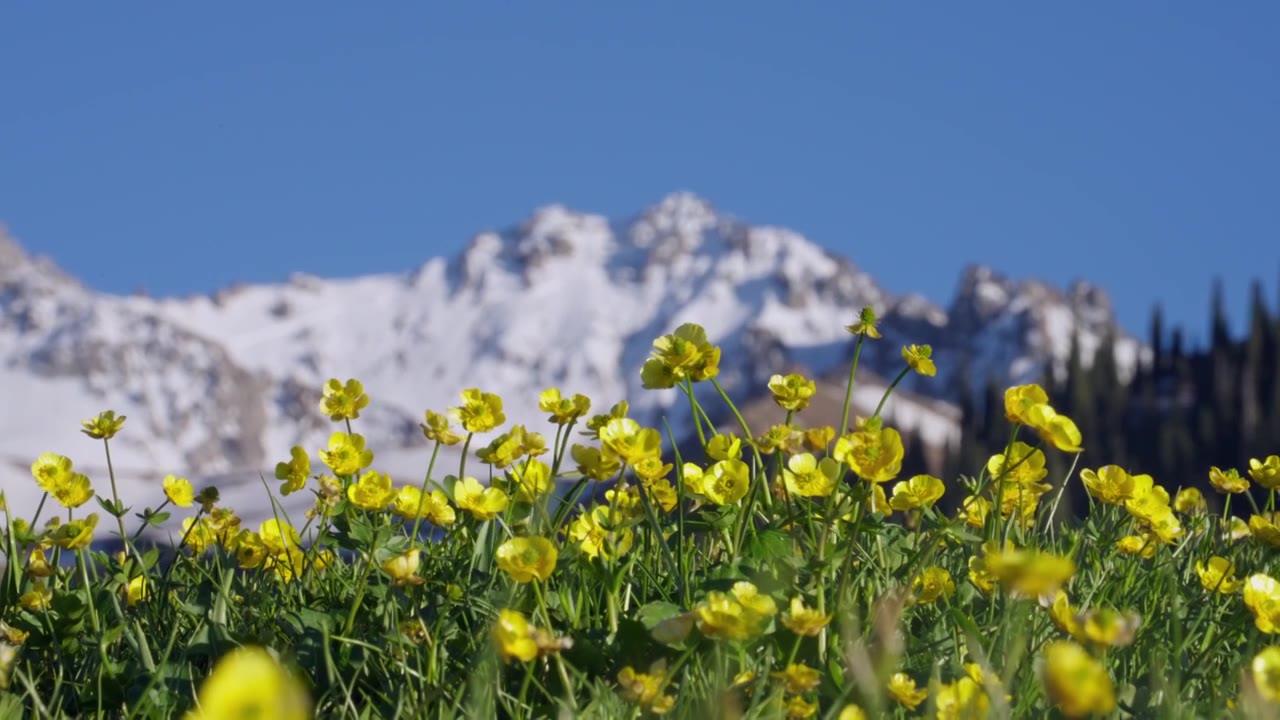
(181, 147)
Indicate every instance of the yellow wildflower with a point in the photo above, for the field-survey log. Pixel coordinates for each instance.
(37, 598)
(865, 325)
(920, 491)
(933, 583)
(527, 481)
(343, 402)
(346, 454)
(975, 510)
(920, 359)
(1189, 501)
(1019, 400)
(644, 689)
(480, 411)
(1076, 682)
(1065, 617)
(138, 589)
(295, 472)
(1262, 597)
(602, 532)
(250, 682)
(792, 392)
(1024, 465)
(797, 678)
(852, 712)
(1029, 573)
(563, 410)
(683, 355)
(411, 504)
(738, 615)
(527, 558)
(651, 469)
(963, 699)
(373, 491)
(724, 483)
(49, 469)
(1217, 575)
(1105, 627)
(1265, 526)
(632, 443)
(817, 439)
(1266, 472)
(1108, 484)
(179, 491)
(979, 575)
(104, 426)
(1143, 544)
(484, 503)
(1228, 481)
(72, 490)
(902, 688)
(1265, 670)
(437, 428)
(75, 534)
(807, 477)
(803, 620)
(1057, 430)
(799, 708)
(724, 447)
(403, 568)
(596, 463)
(874, 454)
(38, 564)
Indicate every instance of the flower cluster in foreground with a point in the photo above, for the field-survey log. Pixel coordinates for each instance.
(588, 567)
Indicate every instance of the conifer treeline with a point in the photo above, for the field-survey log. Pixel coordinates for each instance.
(1185, 410)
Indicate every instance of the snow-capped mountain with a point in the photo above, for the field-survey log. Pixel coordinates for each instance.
(217, 388)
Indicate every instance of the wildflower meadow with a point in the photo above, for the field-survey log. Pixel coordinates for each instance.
(596, 568)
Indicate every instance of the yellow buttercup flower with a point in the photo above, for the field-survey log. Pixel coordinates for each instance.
(527, 558)
(72, 490)
(602, 532)
(179, 491)
(644, 689)
(1019, 400)
(346, 454)
(683, 355)
(104, 426)
(1105, 627)
(1144, 544)
(816, 439)
(933, 583)
(371, 492)
(596, 463)
(1265, 670)
(411, 504)
(249, 682)
(724, 483)
(798, 708)
(792, 392)
(1064, 616)
(963, 699)
(1219, 575)
(874, 454)
(739, 614)
(979, 575)
(135, 591)
(295, 472)
(1265, 526)
(851, 712)
(652, 469)
(527, 481)
(1108, 484)
(920, 359)
(1057, 430)
(1189, 501)
(1262, 597)
(343, 401)
(563, 410)
(484, 503)
(797, 678)
(38, 564)
(1266, 472)
(75, 534)
(403, 568)
(480, 411)
(632, 443)
(437, 428)
(49, 469)
(865, 324)
(920, 491)
(807, 477)
(1074, 681)
(38, 598)
(724, 447)
(1023, 465)
(975, 510)
(803, 620)
(1228, 481)
(902, 688)
(1029, 573)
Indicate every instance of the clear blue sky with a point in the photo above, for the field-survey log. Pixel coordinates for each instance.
(185, 146)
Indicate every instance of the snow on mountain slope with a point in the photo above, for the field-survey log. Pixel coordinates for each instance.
(221, 386)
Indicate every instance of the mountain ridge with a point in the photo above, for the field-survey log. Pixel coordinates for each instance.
(222, 384)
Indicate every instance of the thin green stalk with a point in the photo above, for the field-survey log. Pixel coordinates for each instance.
(848, 390)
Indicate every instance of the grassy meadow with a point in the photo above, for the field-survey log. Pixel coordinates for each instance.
(788, 571)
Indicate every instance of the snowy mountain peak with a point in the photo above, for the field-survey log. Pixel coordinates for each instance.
(223, 385)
